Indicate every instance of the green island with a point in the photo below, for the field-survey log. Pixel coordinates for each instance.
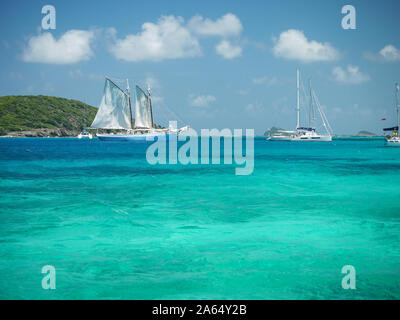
(43, 116)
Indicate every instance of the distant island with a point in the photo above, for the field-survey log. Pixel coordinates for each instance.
(274, 130)
(43, 116)
(365, 133)
(361, 134)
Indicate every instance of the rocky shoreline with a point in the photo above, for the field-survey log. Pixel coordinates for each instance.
(43, 133)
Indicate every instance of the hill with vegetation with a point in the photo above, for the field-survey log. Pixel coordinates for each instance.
(36, 116)
(365, 133)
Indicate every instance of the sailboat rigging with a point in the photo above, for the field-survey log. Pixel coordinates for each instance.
(394, 140)
(307, 133)
(115, 113)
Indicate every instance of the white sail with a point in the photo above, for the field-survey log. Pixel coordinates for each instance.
(114, 110)
(143, 112)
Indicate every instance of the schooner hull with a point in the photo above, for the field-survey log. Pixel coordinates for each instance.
(150, 137)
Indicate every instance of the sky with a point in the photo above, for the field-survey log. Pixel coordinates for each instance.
(211, 64)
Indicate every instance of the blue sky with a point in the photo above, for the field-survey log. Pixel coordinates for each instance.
(222, 64)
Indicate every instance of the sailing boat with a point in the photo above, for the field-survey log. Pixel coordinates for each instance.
(394, 141)
(307, 133)
(115, 113)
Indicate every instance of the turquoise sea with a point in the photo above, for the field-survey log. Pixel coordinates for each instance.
(115, 227)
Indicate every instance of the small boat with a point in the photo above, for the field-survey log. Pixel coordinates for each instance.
(307, 133)
(115, 113)
(84, 134)
(393, 142)
(394, 139)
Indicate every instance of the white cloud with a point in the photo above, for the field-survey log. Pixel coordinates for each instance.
(227, 25)
(166, 39)
(390, 53)
(171, 38)
(387, 54)
(350, 75)
(293, 45)
(227, 50)
(201, 101)
(72, 47)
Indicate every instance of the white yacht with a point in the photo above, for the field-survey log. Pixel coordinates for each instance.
(394, 140)
(307, 133)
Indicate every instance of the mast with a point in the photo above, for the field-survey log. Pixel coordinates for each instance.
(398, 106)
(310, 104)
(312, 110)
(298, 99)
(129, 101)
(151, 107)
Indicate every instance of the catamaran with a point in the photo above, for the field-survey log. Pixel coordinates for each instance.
(84, 134)
(307, 133)
(394, 141)
(115, 113)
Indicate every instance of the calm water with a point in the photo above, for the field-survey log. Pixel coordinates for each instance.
(115, 227)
